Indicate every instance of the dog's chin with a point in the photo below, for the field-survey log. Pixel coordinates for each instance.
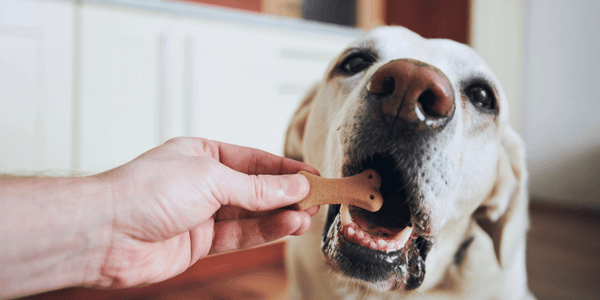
(385, 250)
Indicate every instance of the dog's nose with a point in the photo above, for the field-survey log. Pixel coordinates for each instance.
(413, 91)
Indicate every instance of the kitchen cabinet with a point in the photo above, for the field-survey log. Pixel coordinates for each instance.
(36, 47)
(100, 82)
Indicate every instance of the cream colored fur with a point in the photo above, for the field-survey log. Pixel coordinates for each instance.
(488, 200)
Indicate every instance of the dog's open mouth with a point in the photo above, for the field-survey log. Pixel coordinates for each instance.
(386, 248)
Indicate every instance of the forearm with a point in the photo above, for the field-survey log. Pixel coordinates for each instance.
(54, 232)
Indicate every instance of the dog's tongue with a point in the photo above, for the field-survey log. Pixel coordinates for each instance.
(359, 231)
(375, 230)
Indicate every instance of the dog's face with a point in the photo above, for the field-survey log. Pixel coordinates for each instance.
(428, 116)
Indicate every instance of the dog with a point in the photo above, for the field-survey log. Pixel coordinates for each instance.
(431, 118)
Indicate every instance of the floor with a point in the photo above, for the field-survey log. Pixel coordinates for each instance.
(264, 283)
(563, 263)
(563, 256)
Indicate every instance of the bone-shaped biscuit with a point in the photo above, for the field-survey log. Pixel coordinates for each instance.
(360, 190)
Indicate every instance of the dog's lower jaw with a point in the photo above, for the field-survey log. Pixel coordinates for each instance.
(401, 270)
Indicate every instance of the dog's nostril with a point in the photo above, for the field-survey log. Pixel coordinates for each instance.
(418, 94)
(382, 86)
(428, 101)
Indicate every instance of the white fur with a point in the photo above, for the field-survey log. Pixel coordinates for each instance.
(485, 198)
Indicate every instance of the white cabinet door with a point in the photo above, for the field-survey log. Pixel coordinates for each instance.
(247, 81)
(119, 92)
(87, 87)
(35, 85)
(146, 77)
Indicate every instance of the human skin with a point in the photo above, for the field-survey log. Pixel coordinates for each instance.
(147, 220)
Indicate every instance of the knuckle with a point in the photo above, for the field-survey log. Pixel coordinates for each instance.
(260, 191)
(198, 145)
(175, 140)
(240, 238)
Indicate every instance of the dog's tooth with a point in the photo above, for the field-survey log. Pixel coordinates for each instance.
(360, 234)
(345, 215)
(392, 246)
(403, 236)
(381, 243)
(373, 245)
(350, 231)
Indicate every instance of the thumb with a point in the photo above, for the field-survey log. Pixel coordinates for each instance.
(262, 192)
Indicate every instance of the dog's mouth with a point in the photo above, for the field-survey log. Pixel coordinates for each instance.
(386, 248)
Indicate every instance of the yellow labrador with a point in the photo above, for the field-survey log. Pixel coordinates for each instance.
(430, 117)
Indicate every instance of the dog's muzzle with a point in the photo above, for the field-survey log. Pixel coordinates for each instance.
(409, 102)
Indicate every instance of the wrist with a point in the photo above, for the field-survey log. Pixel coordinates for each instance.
(55, 232)
(99, 191)
(87, 207)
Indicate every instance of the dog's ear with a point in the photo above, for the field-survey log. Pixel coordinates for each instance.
(503, 215)
(295, 131)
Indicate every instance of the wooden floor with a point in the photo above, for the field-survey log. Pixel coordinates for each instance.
(563, 254)
(563, 263)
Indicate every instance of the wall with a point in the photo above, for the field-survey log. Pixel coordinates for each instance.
(562, 100)
(496, 33)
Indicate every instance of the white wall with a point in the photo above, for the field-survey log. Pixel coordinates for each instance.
(496, 33)
(561, 106)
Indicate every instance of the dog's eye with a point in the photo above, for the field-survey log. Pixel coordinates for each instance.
(482, 97)
(355, 63)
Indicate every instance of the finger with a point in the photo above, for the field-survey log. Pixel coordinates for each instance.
(243, 159)
(201, 240)
(260, 192)
(230, 212)
(246, 233)
(253, 161)
(306, 222)
(312, 211)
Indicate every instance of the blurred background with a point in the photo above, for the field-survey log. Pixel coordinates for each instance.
(88, 85)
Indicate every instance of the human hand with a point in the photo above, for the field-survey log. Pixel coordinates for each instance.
(192, 197)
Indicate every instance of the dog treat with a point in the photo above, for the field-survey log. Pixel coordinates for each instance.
(360, 190)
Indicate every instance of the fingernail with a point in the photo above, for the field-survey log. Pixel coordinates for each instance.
(294, 185)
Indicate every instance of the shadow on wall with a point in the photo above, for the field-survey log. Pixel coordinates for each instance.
(574, 176)
(561, 101)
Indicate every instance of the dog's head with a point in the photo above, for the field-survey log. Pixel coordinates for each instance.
(431, 118)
